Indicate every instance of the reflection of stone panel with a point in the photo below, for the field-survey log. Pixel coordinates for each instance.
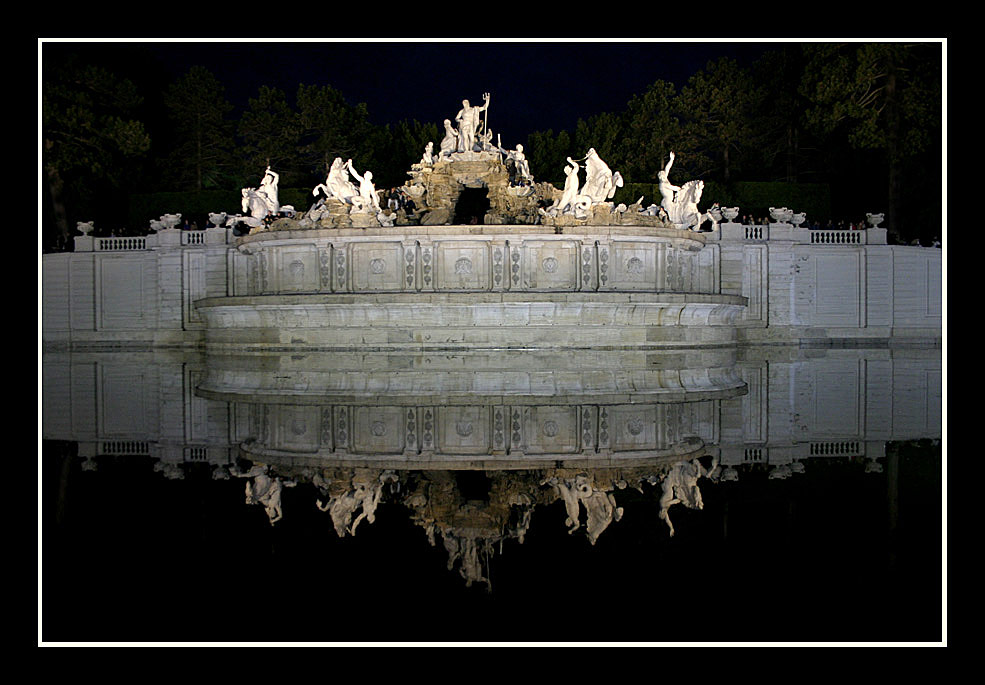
(298, 269)
(836, 400)
(296, 429)
(461, 265)
(377, 266)
(633, 428)
(550, 265)
(550, 430)
(128, 402)
(632, 266)
(378, 430)
(463, 430)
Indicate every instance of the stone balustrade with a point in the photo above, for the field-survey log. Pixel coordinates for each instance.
(734, 232)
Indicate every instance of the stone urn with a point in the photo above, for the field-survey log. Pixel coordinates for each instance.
(217, 219)
(781, 215)
(85, 227)
(875, 219)
(730, 213)
(798, 219)
(170, 220)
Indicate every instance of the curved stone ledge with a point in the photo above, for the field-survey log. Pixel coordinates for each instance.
(443, 387)
(496, 231)
(474, 431)
(473, 320)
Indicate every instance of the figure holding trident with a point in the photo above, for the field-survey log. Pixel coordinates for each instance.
(468, 122)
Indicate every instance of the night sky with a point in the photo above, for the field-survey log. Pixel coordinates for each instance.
(535, 86)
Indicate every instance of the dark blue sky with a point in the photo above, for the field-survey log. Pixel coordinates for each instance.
(534, 86)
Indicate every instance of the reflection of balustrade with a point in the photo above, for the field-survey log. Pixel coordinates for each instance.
(120, 244)
(197, 454)
(836, 449)
(837, 238)
(753, 455)
(124, 447)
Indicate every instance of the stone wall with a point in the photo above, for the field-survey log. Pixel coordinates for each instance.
(795, 289)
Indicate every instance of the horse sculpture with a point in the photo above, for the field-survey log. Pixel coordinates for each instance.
(683, 210)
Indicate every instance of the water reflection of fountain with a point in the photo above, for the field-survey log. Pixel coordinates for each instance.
(472, 525)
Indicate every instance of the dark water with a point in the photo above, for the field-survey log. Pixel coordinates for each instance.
(840, 552)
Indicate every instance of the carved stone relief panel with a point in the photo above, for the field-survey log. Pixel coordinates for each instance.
(551, 430)
(550, 265)
(462, 265)
(632, 266)
(377, 266)
(463, 430)
(298, 269)
(378, 430)
(295, 428)
(633, 427)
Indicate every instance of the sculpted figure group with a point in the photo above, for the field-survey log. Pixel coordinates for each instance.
(600, 185)
(471, 139)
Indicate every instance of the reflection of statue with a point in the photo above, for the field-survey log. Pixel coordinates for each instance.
(680, 486)
(264, 490)
(450, 142)
(600, 505)
(362, 492)
(468, 122)
(600, 182)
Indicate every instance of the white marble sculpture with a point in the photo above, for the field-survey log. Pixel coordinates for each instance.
(520, 163)
(468, 120)
(450, 142)
(569, 196)
(367, 191)
(600, 182)
(875, 219)
(681, 202)
(217, 218)
(668, 191)
(730, 213)
(260, 202)
(268, 190)
(798, 219)
(85, 227)
(337, 184)
(427, 159)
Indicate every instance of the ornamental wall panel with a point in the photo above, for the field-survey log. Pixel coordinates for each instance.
(376, 266)
(461, 265)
